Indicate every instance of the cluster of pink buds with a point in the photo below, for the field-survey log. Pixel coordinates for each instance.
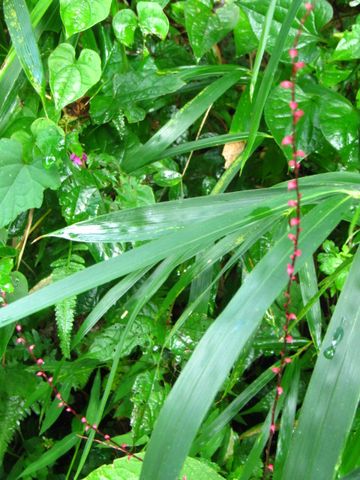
(295, 223)
(62, 403)
(77, 160)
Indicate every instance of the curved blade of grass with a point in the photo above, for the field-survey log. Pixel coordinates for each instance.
(179, 123)
(154, 221)
(18, 21)
(333, 393)
(200, 234)
(208, 142)
(260, 99)
(49, 457)
(262, 45)
(208, 367)
(309, 288)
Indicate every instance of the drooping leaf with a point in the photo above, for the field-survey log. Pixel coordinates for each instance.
(205, 27)
(79, 15)
(152, 19)
(21, 184)
(124, 24)
(71, 78)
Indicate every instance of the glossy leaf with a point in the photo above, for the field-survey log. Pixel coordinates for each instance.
(206, 26)
(21, 184)
(327, 413)
(349, 46)
(71, 78)
(22, 35)
(195, 389)
(152, 19)
(79, 15)
(124, 24)
(129, 469)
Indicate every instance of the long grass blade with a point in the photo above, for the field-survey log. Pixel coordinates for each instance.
(195, 389)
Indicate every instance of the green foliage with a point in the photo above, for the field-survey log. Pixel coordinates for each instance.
(144, 224)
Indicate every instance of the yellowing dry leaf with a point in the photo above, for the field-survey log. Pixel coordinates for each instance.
(231, 151)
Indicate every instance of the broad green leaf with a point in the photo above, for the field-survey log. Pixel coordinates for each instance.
(152, 19)
(321, 15)
(333, 394)
(206, 26)
(244, 38)
(207, 369)
(129, 469)
(124, 24)
(21, 184)
(79, 15)
(22, 35)
(49, 141)
(349, 46)
(71, 78)
(167, 178)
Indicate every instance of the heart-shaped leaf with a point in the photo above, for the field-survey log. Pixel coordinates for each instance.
(70, 79)
(152, 19)
(79, 15)
(206, 26)
(21, 184)
(124, 24)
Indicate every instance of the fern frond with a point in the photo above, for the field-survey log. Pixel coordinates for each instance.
(12, 411)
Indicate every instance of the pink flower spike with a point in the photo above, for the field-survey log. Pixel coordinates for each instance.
(18, 328)
(289, 339)
(40, 361)
(280, 390)
(270, 467)
(309, 6)
(287, 360)
(294, 221)
(272, 428)
(288, 140)
(107, 437)
(291, 316)
(290, 269)
(286, 84)
(300, 153)
(75, 159)
(298, 66)
(276, 370)
(293, 105)
(293, 53)
(292, 237)
(292, 184)
(83, 420)
(292, 203)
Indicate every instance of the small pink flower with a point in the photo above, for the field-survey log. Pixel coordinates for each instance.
(58, 396)
(298, 66)
(69, 409)
(39, 374)
(290, 269)
(272, 428)
(293, 53)
(293, 105)
(288, 140)
(18, 328)
(292, 237)
(87, 428)
(84, 157)
(276, 370)
(61, 404)
(287, 360)
(83, 420)
(300, 153)
(40, 361)
(270, 467)
(292, 203)
(289, 339)
(294, 221)
(292, 184)
(309, 6)
(107, 437)
(20, 340)
(75, 159)
(31, 348)
(94, 427)
(297, 253)
(124, 446)
(291, 316)
(298, 114)
(50, 379)
(280, 390)
(286, 84)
